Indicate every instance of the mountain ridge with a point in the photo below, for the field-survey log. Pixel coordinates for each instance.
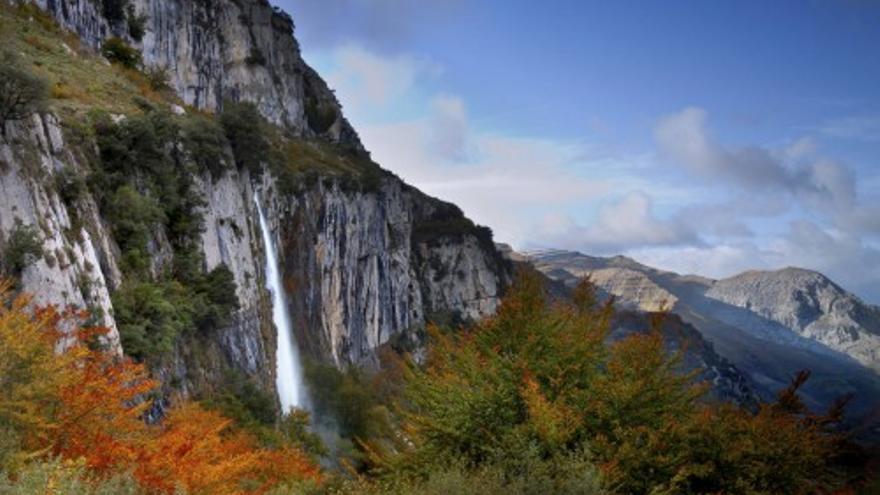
(752, 336)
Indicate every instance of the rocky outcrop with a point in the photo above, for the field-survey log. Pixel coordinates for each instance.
(78, 262)
(354, 269)
(216, 50)
(360, 258)
(769, 325)
(809, 303)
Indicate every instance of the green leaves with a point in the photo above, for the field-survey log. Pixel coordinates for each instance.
(541, 384)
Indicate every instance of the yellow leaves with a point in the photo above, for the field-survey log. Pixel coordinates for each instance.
(61, 396)
(31, 374)
(554, 423)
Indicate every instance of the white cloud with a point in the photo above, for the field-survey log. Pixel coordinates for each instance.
(449, 128)
(500, 181)
(572, 194)
(368, 82)
(684, 137)
(619, 225)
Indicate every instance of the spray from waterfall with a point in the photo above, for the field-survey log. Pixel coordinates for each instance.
(288, 372)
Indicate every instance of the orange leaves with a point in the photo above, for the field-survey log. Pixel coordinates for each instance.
(62, 394)
(195, 449)
(103, 405)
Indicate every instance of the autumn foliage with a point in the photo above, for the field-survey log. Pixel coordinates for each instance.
(541, 387)
(65, 395)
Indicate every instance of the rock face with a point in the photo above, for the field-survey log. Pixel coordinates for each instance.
(216, 50)
(360, 264)
(769, 324)
(809, 303)
(78, 264)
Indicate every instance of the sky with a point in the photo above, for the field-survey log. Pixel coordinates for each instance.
(701, 137)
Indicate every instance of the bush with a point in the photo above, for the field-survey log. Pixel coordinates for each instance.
(150, 317)
(215, 298)
(114, 10)
(116, 50)
(60, 477)
(132, 217)
(321, 115)
(143, 150)
(136, 23)
(22, 92)
(545, 379)
(206, 142)
(242, 400)
(158, 78)
(245, 130)
(70, 185)
(23, 248)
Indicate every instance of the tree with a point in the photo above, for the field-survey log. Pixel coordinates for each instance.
(85, 404)
(541, 383)
(245, 130)
(22, 92)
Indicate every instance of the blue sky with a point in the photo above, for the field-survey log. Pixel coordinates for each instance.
(702, 136)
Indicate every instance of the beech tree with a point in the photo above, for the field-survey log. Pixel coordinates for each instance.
(540, 383)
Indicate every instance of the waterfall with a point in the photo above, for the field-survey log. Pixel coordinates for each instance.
(288, 371)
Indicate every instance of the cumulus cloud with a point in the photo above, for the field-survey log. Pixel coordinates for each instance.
(685, 139)
(619, 225)
(368, 81)
(844, 258)
(500, 181)
(579, 195)
(449, 125)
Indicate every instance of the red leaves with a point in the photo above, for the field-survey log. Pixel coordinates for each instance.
(85, 402)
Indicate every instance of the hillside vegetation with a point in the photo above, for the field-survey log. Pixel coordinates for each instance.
(532, 400)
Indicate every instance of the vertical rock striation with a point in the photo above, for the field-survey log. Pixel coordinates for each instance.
(360, 264)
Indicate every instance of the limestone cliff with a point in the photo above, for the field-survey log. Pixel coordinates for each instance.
(242, 50)
(364, 256)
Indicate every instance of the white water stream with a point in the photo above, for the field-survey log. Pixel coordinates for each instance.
(288, 371)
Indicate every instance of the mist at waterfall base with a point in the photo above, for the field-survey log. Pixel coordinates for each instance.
(288, 370)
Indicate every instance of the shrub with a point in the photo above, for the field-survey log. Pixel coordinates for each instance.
(245, 129)
(143, 150)
(71, 186)
(136, 23)
(64, 477)
(114, 10)
(544, 378)
(321, 115)
(215, 298)
(158, 78)
(116, 50)
(150, 317)
(132, 217)
(206, 142)
(242, 400)
(21, 91)
(23, 248)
